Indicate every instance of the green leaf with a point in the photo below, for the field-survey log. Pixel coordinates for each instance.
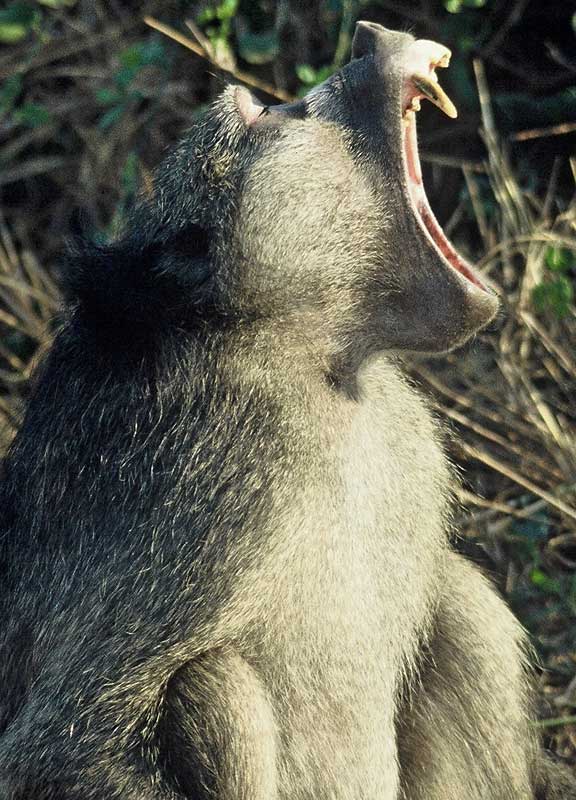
(130, 174)
(33, 115)
(306, 74)
(544, 582)
(324, 72)
(311, 77)
(134, 95)
(57, 3)
(258, 48)
(16, 21)
(9, 92)
(131, 57)
(227, 9)
(154, 52)
(10, 33)
(107, 97)
(556, 296)
(124, 77)
(206, 15)
(223, 11)
(560, 259)
(455, 6)
(111, 117)
(137, 56)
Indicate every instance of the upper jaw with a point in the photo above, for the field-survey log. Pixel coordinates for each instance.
(420, 61)
(414, 62)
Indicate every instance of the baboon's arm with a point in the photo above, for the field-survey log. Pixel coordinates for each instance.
(218, 732)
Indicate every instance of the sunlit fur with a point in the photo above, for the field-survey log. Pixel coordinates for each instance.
(226, 568)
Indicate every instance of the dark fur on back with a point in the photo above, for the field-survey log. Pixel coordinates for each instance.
(224, 540)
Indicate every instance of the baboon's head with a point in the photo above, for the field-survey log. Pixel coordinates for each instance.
(310, 214)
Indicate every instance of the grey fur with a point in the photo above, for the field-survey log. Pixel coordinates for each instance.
(226, 519)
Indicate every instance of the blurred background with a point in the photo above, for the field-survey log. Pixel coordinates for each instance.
(93, 92)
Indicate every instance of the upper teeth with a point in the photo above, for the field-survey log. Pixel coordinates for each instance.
(431, 89)
(421, 58)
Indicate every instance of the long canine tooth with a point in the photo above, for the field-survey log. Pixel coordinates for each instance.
(435, 93)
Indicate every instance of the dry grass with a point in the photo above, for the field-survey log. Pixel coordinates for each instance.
(511, 403)
(510, 400)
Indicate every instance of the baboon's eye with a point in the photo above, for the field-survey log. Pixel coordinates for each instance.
(252, 111)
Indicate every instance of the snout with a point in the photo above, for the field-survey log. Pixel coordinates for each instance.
(371, 39)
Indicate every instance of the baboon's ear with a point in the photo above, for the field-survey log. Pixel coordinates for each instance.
(133, 281)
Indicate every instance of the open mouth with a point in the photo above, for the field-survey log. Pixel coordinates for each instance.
(420, 81)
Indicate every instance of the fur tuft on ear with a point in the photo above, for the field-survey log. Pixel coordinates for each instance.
(139, 279)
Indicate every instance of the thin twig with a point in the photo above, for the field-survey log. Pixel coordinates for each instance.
(492, 436)
(453, 162)
(237, 74)
(554, 722)
(514, 243)
(466, 401)
(512, 475)
(539, 133)
(549, 343)
(501, 508)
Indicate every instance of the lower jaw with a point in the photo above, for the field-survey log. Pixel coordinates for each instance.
(421, 207)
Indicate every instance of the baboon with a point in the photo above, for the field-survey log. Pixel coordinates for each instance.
(226, 559)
